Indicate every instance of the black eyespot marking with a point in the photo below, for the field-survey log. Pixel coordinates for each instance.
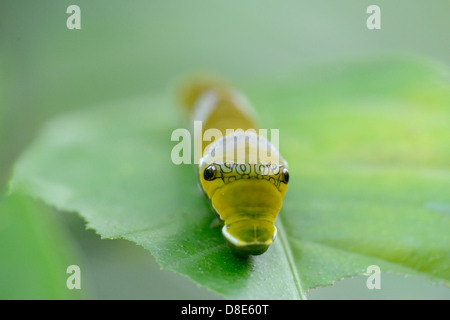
(209, 173)
(286, 175)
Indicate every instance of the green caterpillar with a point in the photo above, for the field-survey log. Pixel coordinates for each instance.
(245, 195)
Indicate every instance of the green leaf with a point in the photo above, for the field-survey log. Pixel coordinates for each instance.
(367, 146)
(34, 253)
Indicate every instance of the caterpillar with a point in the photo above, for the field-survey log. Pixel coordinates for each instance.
(245, 188)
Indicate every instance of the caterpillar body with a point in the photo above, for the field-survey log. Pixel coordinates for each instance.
(245, 189)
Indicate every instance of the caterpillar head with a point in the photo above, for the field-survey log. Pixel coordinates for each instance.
(215, 176)
(247, 198)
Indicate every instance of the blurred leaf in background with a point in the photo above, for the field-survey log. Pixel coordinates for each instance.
(35, 253)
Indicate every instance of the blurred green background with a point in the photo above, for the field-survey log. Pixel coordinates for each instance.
(131, 48)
